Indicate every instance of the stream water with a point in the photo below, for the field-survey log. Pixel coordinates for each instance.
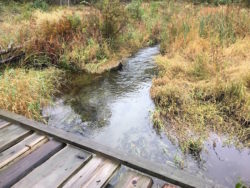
(115, 109)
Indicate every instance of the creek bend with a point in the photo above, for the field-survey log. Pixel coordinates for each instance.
(115, 109)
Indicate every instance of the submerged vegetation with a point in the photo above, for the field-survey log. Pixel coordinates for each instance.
(203, 85)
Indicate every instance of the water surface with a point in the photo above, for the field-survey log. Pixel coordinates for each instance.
(115, 109)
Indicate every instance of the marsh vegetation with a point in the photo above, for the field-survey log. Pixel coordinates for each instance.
(205, 69)
(87, 39)
(203, 84)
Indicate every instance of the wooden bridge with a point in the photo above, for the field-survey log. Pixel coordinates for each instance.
(35, 155)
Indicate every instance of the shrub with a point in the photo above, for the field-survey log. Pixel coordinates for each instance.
(75, 21)
(246, 2)
(51, 39)
(114, 18)
(200, 68)
(40, 4)
(135, 10)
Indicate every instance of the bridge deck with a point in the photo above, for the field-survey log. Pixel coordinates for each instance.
(35, 155)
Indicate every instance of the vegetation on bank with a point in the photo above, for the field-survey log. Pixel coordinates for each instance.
(78, 38)
(90, 38)
(26, 91)
(204, 77)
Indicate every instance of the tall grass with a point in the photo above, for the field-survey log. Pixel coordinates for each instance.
(203, 84)
(93, 39)
(27, 91)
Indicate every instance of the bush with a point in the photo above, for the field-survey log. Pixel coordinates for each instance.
(246, 2)
(135, 10)
(114, 18)
(40, 4)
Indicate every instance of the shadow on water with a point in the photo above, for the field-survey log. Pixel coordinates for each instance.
(115, 109)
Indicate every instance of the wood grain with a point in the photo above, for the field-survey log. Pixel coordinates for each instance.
(18, 170)
(95, 174)
(19, 149)
(56, 170)
(131, 179)
(167, 185)
(4, 124)
(10, 135)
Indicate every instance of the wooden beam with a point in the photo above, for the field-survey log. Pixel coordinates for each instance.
(164, 172)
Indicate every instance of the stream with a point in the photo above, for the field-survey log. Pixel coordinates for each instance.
(115, 109)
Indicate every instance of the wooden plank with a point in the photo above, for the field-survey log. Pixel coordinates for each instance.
(131, 179)
(18, 170)
(56, 170)
(167, 185)
(4, 124)
(165, 172)
(10, 135)
(21, 148)
(95, 173)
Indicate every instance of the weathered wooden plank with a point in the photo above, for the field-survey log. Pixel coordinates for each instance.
(95, 173)
(10, 135)
(18, 170)
(3, 124)
(164, 172)
(21, 148)
(56, 170)
(131, 179)
(167, 185)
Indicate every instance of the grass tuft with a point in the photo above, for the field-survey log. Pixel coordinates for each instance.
(27, 91)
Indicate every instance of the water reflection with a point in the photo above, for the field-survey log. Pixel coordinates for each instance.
(115, 109)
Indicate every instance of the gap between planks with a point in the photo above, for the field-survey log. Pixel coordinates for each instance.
(11, 135)
(25, 165)
(96, 173)
(57, 169)
(4, 124)
(131, 179)
(21, 149)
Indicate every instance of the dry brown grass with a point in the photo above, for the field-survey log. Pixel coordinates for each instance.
(73, 37)
(66, 38)
(204, 81)
(26, 92)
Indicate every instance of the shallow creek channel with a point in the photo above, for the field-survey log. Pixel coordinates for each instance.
(115, 109)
